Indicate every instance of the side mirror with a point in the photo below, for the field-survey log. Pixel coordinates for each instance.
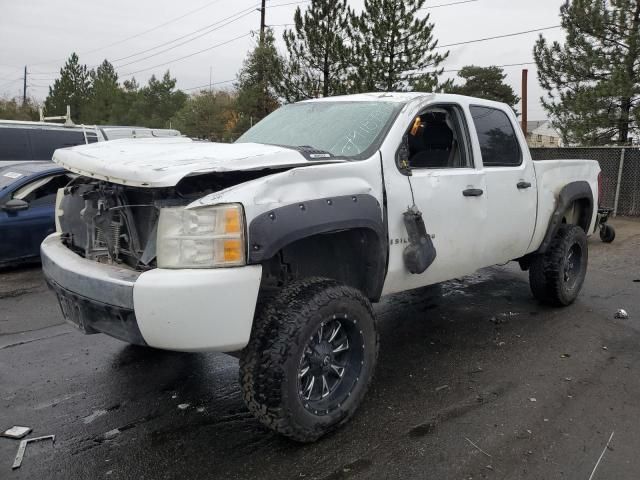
(15, 205)
(402, 156)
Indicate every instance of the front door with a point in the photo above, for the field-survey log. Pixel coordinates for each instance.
(23, 231)
(450, 191)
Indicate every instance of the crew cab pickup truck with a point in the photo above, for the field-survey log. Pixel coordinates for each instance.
(276, 246)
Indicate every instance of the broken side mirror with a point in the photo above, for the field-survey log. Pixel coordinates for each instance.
(15, 205)
(402, 156)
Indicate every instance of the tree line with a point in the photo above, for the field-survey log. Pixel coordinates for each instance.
(592, 79)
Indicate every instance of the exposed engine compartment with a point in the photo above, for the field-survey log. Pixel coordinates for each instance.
(117, 224)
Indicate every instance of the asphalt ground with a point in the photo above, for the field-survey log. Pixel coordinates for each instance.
(475, 380)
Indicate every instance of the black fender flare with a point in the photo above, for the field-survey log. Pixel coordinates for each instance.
(273, 230)
(569, 194)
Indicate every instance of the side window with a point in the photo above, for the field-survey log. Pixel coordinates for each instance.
(498, 141)
(437, 139)
(45, 142)
(14, 144)
(42, 191)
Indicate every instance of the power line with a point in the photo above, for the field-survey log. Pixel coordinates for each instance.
(188, 56)
(182, 43)
(448, 4)
(139, 34)
(500, 66)
(202, 87)
(244, 12)
(498, 36)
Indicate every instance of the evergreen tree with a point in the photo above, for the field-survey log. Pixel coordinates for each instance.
(73, 88)
(154, 104)
(593, 79)
(318, 51)
(394, 47)
(14, 109)
(487, 83)
(106, 102)
(208, 115)
(258, 80)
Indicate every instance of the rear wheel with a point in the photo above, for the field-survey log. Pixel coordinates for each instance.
(556, 277)
(310, 358)
(607, 233)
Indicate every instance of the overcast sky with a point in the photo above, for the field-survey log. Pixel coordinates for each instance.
(42, 33)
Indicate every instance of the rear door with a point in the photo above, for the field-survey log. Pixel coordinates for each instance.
(510, 182)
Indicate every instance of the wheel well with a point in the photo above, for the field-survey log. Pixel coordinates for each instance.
(579, 213)
(355, 257)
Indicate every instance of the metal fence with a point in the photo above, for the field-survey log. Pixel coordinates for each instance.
(620, 173)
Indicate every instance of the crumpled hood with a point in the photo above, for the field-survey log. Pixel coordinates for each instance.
(163, 162)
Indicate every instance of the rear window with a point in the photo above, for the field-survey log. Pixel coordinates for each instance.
(45, 142)
(498, 141)
(14, 144)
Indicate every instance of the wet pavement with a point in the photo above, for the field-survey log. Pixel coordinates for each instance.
(475, 380)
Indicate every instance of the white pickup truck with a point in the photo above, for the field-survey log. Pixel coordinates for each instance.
(276, 246)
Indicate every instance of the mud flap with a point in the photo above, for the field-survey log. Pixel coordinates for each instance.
(421, 252)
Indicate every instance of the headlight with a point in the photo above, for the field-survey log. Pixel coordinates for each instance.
(201, 237)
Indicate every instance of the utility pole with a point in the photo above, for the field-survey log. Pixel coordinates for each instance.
(262, 21)
(525, 74)
(24, 87)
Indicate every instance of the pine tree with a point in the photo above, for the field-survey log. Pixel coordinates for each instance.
(394, 47)
(593, 79)
(487, 83)
(155, 103)
(73, 88)
(106, 100)
(318, 51)
(258, 81)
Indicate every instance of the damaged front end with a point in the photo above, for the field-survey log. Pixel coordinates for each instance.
(116, 224)
(111, 223)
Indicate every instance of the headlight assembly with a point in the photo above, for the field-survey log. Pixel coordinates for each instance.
(203, 237)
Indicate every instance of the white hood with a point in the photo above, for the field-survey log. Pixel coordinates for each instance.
(163, 162)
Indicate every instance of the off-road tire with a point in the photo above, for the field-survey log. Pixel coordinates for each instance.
(269, 365)
(548, 271)
(607, 233)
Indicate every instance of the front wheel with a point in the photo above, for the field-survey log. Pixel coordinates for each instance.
(310, 359)
(556, 277)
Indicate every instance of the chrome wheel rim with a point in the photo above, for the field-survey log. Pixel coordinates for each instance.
(330, 365)
(572, 266)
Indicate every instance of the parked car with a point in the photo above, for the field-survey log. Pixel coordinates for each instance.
(118, 132)
(20, 141)
(277, 245)
(27, 202)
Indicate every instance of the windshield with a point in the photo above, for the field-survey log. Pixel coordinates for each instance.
(344, 129)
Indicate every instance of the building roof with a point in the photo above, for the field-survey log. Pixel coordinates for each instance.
(542, 127)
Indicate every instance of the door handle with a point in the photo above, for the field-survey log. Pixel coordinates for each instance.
(523, 185)
(472, 192)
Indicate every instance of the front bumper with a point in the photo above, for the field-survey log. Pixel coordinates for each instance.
(184, 310)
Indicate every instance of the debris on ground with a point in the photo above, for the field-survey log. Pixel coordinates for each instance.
(441, 387)
(477, 447)
(565, 355)
(201, 410)
(621, 314)
(503, 317)
(183, 406)
(23, 447)
(601, 455)
(111, 433)
(16, 432)
(533, 399)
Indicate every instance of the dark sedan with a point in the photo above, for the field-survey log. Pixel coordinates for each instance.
(27, 208)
